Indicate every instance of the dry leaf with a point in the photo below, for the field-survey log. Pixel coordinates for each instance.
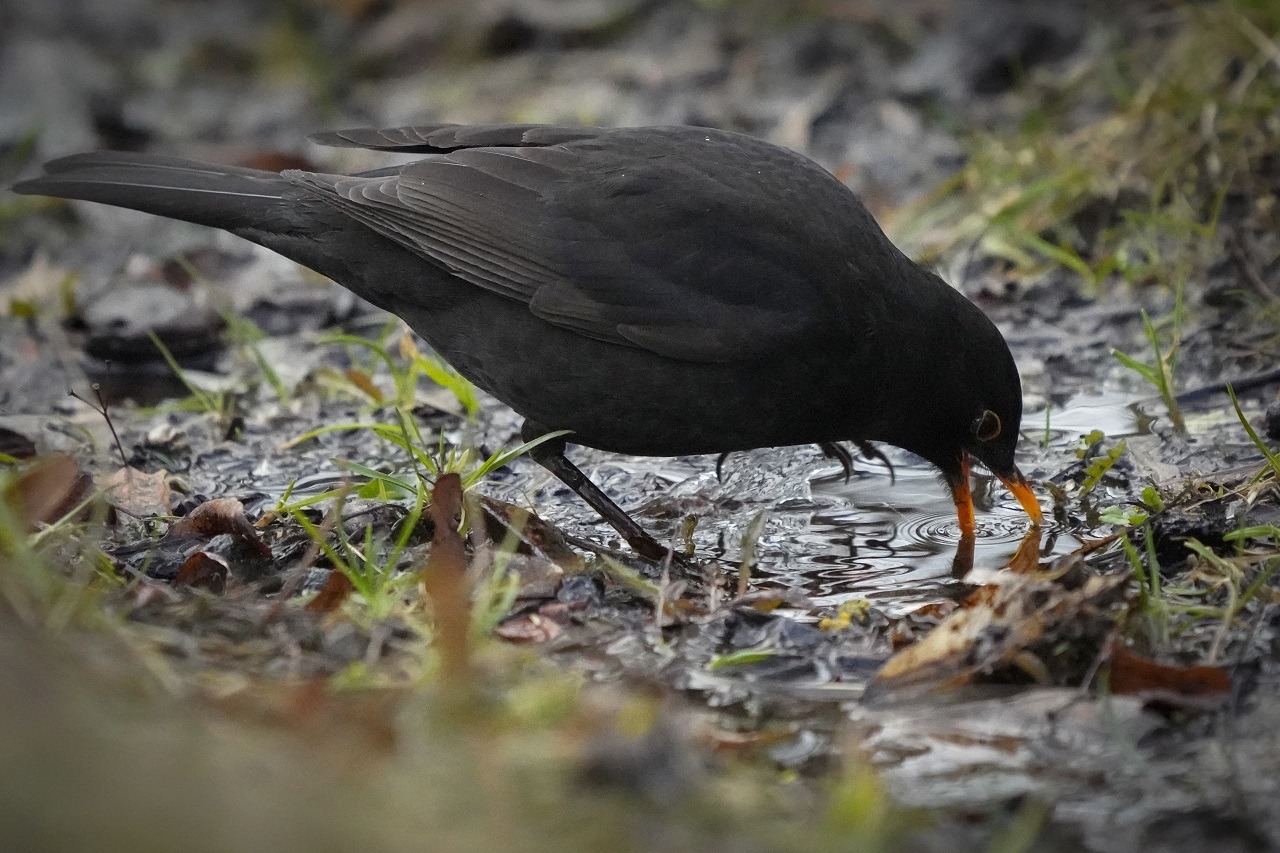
(215, 517)
(205, 570)
(445, 579)
(365, 383)
(138, 494)
(503, 520)
(49, 489)
(529, 628)
(996, 626)
(1133, 673)
(335, 591)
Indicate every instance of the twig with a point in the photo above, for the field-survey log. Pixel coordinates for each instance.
(102, 409)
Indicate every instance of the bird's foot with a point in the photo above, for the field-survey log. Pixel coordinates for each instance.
(837, 451)
(872, 453)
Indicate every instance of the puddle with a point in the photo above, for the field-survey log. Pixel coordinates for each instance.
(1113, 413)
(893, 543)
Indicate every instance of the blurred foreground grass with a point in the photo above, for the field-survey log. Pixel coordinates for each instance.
(111, 742)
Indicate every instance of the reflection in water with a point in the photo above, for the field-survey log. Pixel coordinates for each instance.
(898, 546)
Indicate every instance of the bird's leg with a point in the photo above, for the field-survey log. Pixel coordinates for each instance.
(962, 495)
(962, 562)
(550, 455)
(720, 466)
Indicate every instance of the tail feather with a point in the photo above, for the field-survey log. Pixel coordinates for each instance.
(229, 197)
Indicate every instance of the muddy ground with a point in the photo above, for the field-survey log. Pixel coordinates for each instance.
(197, 647)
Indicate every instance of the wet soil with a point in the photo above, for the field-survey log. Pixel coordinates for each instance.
(844, 572)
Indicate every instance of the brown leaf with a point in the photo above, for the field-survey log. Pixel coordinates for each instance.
(936, 610)
(445, 578)
(503, 520)
(1133, 673)
(365, 383)
(49, 489)
(205, 570)
(1027, 558)
(215, 517)
(997, 625)
(138, 494)
(335, 591)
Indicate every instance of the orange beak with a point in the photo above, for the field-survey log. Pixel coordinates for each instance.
(1021, 490)
(963, 497)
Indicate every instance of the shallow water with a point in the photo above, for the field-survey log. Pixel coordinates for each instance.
(893, 543)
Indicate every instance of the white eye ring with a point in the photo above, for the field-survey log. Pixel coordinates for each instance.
(987, 426)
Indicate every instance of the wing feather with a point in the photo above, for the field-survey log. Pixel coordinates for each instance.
(698, 257)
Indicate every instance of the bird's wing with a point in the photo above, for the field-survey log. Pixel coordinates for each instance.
(688, 256)
(442, 138)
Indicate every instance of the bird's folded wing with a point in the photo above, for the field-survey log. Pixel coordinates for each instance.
(442, 138)
(656, 254)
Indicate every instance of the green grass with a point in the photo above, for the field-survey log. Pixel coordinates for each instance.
(1160, 372)
(201, 400)
(1211, 588)
(1272, 460)
(1119, 171)
(405, 366)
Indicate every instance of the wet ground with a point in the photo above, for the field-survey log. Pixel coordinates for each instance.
(794, 659)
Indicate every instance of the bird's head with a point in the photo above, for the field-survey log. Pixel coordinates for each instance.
(991, 439)
(974, 411)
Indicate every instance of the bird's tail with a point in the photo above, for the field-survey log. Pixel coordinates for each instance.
(229, 197)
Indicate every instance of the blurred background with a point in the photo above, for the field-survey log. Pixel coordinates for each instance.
(874, 89)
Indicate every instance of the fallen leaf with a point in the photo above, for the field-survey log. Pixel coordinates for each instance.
(204, 570)
(1133, 673)
(46, 491)
(137, 493)
(539, 577)
(335, 591)
(505, 521)
(365, 383)
(529, 628)
(994, 630)
(1027, 558)
(215, 517)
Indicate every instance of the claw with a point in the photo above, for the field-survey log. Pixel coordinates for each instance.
(840, 453)
(870, 452)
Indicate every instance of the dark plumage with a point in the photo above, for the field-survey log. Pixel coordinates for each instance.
(658, 291)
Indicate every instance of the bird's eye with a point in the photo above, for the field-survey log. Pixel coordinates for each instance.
(987, 426)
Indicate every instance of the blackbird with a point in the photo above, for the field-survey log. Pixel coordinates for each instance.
(656, 291)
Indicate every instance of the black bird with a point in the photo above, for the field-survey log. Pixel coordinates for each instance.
(657, 291)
